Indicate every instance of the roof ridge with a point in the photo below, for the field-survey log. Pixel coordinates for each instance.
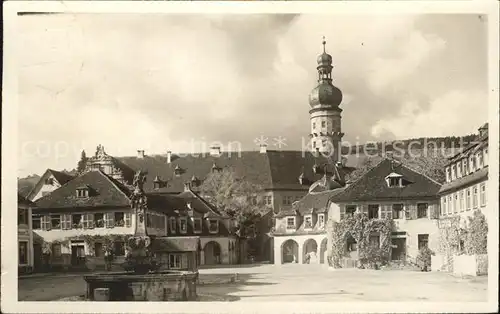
(408, 167)
(28, 196)
(210, 206)
(268, 168)
(350, 186)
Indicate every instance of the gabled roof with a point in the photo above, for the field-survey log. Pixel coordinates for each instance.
(106, 192)
(477, 176)
(317, 201)
(372, 185)
(23, 202)
(60, 176)
(270, 170)
(199, 204)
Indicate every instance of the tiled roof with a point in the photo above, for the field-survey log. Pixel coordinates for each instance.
(180, 204)
(479, 142)
(104, 192)
(372, 185)
(317, 201)
(176, 244)
(23, 201)
(270, 170)
(61, 176)
(480, 175)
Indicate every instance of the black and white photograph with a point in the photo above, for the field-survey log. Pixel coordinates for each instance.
(324, 157)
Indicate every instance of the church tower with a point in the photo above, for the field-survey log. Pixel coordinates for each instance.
(325, 98)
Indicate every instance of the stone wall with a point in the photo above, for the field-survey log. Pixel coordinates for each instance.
(470, 265)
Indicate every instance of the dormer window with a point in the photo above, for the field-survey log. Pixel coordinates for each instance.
(177, 170)
(448, 174)
(194, 181)
(82, 192)
(213, 225)
(465, 167)
(479, 160)
(197, 225)
(472, 163)
(290, 222)
(49, 181)
(308, 222)
(394, 180)
(183, 225)
(321, 220)
(215, 168)
(158, 183)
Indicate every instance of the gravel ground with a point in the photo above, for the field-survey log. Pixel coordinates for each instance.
(296, 283)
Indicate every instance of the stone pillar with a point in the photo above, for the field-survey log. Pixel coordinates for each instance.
(101, 294)
(301, 253)
(277, 252)
(202, 257)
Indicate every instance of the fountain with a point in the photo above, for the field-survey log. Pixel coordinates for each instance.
(142, 279)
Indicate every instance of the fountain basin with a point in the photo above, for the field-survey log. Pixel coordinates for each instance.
(158, 286)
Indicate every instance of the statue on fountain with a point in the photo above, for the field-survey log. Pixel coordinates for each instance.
(139, 258)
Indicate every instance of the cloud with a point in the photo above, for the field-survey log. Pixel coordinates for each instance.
(159, 82)
(444, 116)
(413, 51)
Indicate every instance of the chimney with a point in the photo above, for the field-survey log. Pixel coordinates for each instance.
(140, 154)
(187, 186)
(263, 148)
(169, 157)
(215, 151)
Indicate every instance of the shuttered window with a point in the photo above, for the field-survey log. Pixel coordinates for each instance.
(109, 220)
(128, 219)
(46, 222)
(66, 222)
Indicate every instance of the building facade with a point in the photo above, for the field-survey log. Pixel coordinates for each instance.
(24, 235)
(465, 189)
(389, 190)
(392, 190)
(78, 223)
(49, 181)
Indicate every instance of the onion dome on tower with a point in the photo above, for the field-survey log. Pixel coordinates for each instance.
(325, 94)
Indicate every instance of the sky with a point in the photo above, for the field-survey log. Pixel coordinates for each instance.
(161, 82)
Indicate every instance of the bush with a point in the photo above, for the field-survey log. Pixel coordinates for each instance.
(424, 258)
(371, 257)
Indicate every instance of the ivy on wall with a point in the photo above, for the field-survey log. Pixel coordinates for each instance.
(89, 240)
(457, 238)
(476, 240)
(360, 228)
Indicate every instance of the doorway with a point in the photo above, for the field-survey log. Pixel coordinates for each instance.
(398, 249)
(77, 255)
(37, 257)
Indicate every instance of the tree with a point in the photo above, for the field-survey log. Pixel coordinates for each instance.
(82, 163)
(368, 163)
(235, 197)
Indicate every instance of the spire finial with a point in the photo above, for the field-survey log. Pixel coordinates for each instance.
(324, 44)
